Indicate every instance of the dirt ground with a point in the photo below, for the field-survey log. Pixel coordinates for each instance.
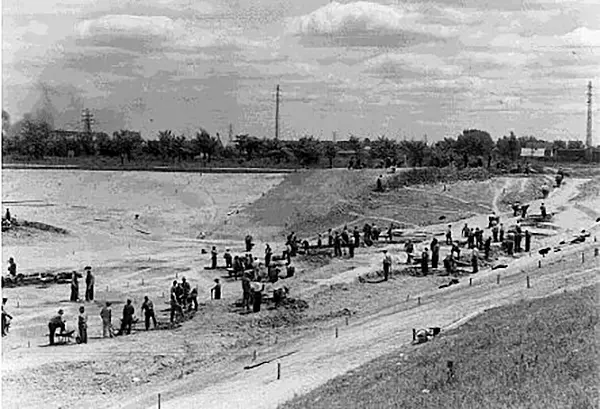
(201, 363)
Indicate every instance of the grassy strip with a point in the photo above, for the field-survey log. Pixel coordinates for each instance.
(534, 354)
(427, 176)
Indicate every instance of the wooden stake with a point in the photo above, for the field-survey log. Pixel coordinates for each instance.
(278, 371)
(17, 303)
(498, 279)
(159, 401)
(28, 344)
(419, 300)
(407, 297)
(528, 285)
(254, 356)
(540, 264)
(346, 321)
(336, 332)
(470, 282)
(106, 288)
(582, 257)
(414, 334)
(142, 281)
(595, 252)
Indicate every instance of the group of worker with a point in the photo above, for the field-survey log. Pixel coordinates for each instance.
(89, 285)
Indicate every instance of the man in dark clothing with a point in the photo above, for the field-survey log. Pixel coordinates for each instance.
(82, 325)
(455, 249)
(543, 211)
(527, 241)
(475, 260)
(356, 235)
(390, 232)
(257, 290)
(54, 324)
(471, 239)
(89, 284)
(487, 247)
(516, 207)
(175, 306)
(495, 231)
(435, 253)
(379, 184)
(337, 245)
(148, 309)
(12, 268)
(479, 237)
(425, 262)
(5, 315)
(387, 265)
(329, 238)
(409, 248)
(248, 241)
(268, 255)
(246, 291)
(193, 300)
(501, 237)
(518, 242)
(127, 319)
(185, 291)
(228, 259)
(465, 231)
(524, 209)
(74, 288)
(351, 247)
(319, 241)
(215, 292)
(7, 216)
(213, 257)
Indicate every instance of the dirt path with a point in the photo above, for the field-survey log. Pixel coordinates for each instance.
(324, 356)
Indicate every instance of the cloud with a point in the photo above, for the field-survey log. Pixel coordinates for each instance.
(366, 23)
(392, 65)
(580, 37)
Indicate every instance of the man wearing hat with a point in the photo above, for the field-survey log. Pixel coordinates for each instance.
(228, 259)
(55, 323)
(106, 315)
(89, 284)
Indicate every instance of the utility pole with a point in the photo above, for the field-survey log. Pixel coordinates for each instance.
(333, 136)
(277, 113)
(230, 133)
(588, 134)
(88, 120)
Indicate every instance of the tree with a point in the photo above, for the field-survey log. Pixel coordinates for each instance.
(127, 142)
(383, 148)
(250, 146)
(166, 143)
(307, 150)
(443, 152)
(415, 151)
(575, 145)
(509, 147)
(331, 151)
(474, 143)
(33, 139)
(5, 123)
(559, 145)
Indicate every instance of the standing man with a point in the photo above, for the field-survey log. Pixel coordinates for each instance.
(449, 235)
(409, 248)
(524, 209)
(495, 230)
(82, 325)
(268, 255)
(425, 262)
(487, 247)
(127, 319)
(89, 284)
(74, 287)
(390, 232)
(7, 216)
(12, 268)
(518, 241)
(329, 238)
(475, 260)
(501, 238)
(527, 241)
(186, 288)
(213, 257)
(215, 292)
(543, 211)
(356, 235)
(55, 323)
(319, 241)
(246, 291)
(106, 315)
(435, 253)
(148, 309)
(257, 289)
(228, 259)
(351, 247)
(387, 265)
(248, 242)
(337, 245)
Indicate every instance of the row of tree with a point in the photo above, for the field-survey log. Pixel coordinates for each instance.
(35, 139)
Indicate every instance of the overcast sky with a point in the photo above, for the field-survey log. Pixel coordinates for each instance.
(395, 68)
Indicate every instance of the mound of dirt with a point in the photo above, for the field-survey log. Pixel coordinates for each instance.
(15, 224)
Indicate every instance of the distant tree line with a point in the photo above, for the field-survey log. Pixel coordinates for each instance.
(35, 139)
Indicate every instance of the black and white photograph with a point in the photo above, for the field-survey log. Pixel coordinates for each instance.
(290, 204)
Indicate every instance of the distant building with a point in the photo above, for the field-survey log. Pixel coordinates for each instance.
(537, 150)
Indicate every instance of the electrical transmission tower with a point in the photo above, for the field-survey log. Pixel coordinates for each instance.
(87, 119)
(588, 134)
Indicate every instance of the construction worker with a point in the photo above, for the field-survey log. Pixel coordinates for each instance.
(215, 292)
(82, 325)
(543, 210)
(246, 291)
(449, 235)
(379, 184)
(518, 237)
(55, 323)
(501, 236)
(455, 250)
(471, 239)
(424, 262)
(106, 315)
(193, 300)
(409, 248)
(351, 247)
(5, 318)
(228, 259)
(524, 209)
(475, 260)
(257, 288)
(465, 231)
(337, 245)
(12, 268)
(7, 215)
(435, 253)
(495, 231)
(487, 246)
(319, 241)
(74, 287)
(213, 257)
(148, 309)
(390, 232)
(268, 255)
(127, 319)
(89, 284)
(545, 190)
(329, 238)
(516, 206)
(248, 241)
(527, 241)
(175, 306)
(387, 265)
